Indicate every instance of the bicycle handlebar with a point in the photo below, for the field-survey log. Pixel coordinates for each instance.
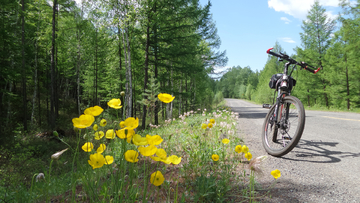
(286, 57)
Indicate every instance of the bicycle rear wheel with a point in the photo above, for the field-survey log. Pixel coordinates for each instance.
(280, 137)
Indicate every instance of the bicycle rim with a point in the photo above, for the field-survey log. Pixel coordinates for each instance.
(279, 139)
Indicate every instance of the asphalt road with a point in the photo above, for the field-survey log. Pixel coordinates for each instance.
(325, 165)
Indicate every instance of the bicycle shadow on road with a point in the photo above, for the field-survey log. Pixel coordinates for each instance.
(318, 152)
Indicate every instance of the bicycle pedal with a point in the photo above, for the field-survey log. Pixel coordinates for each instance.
(287, 138)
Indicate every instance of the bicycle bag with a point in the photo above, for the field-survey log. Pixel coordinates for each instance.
(273, 84)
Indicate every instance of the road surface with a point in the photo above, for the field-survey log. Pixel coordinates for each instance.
(325, 165)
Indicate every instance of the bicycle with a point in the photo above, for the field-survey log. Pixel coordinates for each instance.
(285, 121)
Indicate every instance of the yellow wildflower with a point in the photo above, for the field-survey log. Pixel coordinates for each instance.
(96, 160)
(99, 135)
(110, 134)
(95, 127)
(212, 121)
(83, 121)
(225, 141)
(154, 140)
(248, 156)
(115, 103)
(122, 124)
(131, 156)
(276, 173)
(148, 151)
(157, 178)
(175, 159)
(109, 159)
(166, 98)
(103, 122)
(94, 111)
(215, 157)
(244, 149)
(125, 133)
(161, 153)
(131, 122)
(203, 126)
(87, 147)
(238, 149)
(138, 140)
(210, 125)
(101, 149)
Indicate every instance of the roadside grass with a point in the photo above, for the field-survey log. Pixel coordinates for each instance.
(183, 168)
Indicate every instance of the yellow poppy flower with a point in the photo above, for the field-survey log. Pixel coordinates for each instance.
(101, 149)
(94, 111)
(99, 135)
(122, 124)
(175, 159)
(96, 160)
(103, 122)
(131, 156)
(138, 140)
(131, 122)
(166, 98)
(114, 103)
(245, 149)
(165, 160)
(154, 140)
(83, 121)
(125, 133)
(157, 178)
(148, 151)
(203, 126)
(161, 153)
(87, 147)
(110, 134)
(210, 125)
(212, 121)
(248, 156)
(109, 159)
(276, 173)
(95, 127)
(215, 157)
(225, 141)
(238, 149)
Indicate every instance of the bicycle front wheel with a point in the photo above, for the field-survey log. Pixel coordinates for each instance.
(281, 136)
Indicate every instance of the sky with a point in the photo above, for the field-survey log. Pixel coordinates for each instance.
(248, 28)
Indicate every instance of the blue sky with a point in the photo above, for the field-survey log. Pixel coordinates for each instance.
(248, 28)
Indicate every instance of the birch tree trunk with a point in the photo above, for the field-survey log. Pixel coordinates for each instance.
(23, 65)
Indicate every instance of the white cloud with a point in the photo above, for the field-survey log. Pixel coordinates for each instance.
(287, 21)
(298, 8)
(288, 40)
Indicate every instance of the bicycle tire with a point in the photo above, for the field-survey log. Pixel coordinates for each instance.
(295, 120)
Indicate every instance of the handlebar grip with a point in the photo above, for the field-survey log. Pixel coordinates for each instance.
(311, 70)
(272, 53)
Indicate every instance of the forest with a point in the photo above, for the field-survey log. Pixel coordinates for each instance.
(59, 57)
(334, 49)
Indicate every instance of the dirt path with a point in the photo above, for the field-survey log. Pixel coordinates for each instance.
(324, 167)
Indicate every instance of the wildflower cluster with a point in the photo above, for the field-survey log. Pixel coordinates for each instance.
(147, 146)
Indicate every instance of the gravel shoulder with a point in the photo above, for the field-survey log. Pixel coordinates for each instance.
(322, 168)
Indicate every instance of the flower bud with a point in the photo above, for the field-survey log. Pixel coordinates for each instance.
(57, 155)
(122, 93)
(55, 133)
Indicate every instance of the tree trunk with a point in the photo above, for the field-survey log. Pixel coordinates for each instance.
(146, 68)
(23, 65)
(52, 71)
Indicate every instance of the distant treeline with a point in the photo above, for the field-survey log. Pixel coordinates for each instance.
(336, 51)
